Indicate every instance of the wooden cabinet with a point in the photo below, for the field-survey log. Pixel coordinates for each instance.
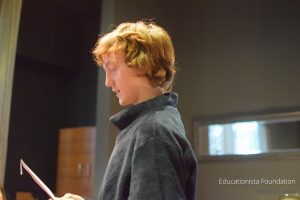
(75, 164)
(24, 196)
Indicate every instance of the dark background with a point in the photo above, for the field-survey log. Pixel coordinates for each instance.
(54, 85)
(233, 57)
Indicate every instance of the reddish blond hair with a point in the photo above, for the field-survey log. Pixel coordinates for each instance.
(147, 47)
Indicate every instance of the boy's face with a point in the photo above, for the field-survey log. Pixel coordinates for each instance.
(123, 80)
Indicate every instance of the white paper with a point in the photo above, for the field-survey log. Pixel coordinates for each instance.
(36, 179)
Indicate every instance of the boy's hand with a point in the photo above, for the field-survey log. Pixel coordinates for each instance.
(69, 196)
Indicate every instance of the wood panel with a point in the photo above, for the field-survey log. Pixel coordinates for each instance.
(75, 165)
(24, 196)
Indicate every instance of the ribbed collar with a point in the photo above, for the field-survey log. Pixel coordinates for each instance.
(125, 117)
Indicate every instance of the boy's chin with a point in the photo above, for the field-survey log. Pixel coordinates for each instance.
(123, 103)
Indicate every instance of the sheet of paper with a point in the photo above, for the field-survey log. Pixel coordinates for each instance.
(36, 179)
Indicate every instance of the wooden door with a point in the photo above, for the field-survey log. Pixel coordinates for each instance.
(75, 165)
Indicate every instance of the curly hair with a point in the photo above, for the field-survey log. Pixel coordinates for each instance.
(147, 47)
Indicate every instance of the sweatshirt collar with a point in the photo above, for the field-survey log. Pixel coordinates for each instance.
(125, 117)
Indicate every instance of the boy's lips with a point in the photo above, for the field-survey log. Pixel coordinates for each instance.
(116, 92)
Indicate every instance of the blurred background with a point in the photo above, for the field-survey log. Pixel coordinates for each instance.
(234, 58)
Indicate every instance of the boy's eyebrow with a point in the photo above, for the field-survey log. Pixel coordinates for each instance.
(107, 61)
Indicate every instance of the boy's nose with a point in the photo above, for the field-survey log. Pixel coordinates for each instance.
(108, 81)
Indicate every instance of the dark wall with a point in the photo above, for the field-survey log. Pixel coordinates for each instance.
(36, 114)
(54, 86)
(238, 57)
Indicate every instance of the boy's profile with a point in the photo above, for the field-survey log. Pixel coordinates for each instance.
(152, 158)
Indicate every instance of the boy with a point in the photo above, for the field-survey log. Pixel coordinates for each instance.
(152, 158)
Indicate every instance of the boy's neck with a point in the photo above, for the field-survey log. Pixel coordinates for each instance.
(150, 93)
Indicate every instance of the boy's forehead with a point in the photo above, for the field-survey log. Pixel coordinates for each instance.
(109, 57)
(112, 57)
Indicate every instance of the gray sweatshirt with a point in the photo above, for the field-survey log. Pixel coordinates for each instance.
(152, 158)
